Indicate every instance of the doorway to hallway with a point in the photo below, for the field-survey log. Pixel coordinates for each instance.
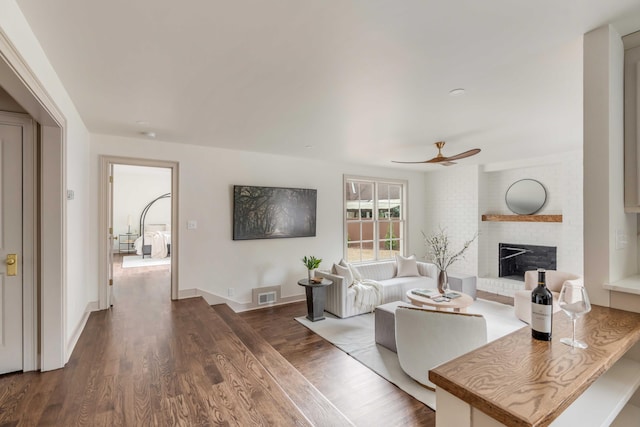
(141, 216)
(139, 209)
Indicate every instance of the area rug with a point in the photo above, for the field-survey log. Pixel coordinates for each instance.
(131, 261)
(355, 336)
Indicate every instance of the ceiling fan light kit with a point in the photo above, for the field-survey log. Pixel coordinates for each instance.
(446, 161)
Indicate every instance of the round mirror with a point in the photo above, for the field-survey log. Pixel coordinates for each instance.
(526, 197)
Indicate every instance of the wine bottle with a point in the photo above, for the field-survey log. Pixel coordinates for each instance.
(541, 309)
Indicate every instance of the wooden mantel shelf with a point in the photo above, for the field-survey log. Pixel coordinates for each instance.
(522, 218)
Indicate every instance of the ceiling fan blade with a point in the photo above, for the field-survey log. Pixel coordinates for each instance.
(463, 155)
(423, 161)
(445, 161)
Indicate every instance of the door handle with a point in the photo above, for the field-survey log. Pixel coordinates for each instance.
(12, 264)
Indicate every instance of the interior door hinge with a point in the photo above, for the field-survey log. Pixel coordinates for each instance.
(110, 230)
(111, 179)
(110, 282)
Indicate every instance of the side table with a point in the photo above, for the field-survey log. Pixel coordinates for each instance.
(126, 243)
(316, 297)
(464, 283)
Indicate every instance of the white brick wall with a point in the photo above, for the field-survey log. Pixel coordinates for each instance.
(452, 202)
(457, 197)
(500, 286)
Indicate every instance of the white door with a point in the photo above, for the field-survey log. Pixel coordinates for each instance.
(10, 244)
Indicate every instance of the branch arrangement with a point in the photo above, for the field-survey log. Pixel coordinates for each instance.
(438, 248)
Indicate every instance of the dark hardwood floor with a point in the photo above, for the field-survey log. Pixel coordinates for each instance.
(152, 361)
(363, 396)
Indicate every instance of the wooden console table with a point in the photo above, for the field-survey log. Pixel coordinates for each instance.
(519, 381)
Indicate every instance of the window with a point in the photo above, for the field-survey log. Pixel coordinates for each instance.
(375, 219)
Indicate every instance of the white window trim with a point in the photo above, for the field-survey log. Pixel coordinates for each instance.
(404, 211)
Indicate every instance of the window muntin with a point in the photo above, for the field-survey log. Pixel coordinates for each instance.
(374, 219)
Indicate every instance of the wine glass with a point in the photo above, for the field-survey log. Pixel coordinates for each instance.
(574, 302)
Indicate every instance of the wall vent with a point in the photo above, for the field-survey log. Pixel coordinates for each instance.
(267, 298)
(265, 295)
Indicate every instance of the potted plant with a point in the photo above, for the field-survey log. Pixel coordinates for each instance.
(311, 263)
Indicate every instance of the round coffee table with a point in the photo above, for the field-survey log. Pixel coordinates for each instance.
(459, 304)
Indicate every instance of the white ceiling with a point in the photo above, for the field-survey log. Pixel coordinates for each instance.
(362, 81)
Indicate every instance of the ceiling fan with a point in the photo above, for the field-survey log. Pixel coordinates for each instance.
(446, 161)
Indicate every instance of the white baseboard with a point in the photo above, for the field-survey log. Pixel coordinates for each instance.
(213, 299)
(73, 340)
(92, 306)
(187, 293)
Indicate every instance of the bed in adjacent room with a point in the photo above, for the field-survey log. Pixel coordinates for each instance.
(154, 242)
(155, 239)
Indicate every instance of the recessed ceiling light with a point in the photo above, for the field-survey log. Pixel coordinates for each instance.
(142, 122)
(308, 147)
(149, 134)
(456, 92)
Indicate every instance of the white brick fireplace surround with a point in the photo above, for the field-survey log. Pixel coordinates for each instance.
(458, 196)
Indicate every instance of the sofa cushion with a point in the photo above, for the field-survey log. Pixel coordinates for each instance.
(407, 266)
(379, 270)
(410, 282)
(345, 272)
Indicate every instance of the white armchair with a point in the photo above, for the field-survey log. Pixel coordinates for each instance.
(554, 281)
(427, 338)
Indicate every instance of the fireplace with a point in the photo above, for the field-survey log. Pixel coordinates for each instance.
(515, 258)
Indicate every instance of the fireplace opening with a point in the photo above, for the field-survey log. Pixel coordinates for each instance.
(514, 259)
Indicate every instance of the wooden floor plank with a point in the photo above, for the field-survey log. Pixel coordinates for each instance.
(306, 397)
(151, 361)
(347, 383)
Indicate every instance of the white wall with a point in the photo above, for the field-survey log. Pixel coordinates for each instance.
(133, 188)
(209, 259)
(7, 103)
(604, 215)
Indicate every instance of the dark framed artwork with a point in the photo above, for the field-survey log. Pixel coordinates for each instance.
(273, 212)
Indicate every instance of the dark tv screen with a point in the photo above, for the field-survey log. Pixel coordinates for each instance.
(273, 212)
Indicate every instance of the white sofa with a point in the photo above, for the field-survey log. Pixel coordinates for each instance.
(340, 299)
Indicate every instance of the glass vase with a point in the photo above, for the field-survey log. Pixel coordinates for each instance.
(443, 282)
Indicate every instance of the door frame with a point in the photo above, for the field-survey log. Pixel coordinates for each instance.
(106, 162)
(45, 337)
(29, 260)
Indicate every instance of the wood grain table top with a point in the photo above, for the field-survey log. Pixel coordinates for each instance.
(520, 381)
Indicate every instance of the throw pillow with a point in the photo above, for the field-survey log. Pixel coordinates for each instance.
(407, 266)
(345, 272)
(354, 271)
